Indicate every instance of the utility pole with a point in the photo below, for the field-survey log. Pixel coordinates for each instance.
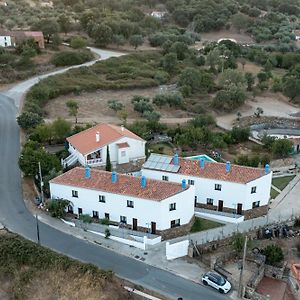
(37, 229)
(41, 183)
(240, 290)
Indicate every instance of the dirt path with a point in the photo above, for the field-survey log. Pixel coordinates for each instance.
(273, 105)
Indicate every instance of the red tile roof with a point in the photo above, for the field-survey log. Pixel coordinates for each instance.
(156, 190)
(85, 141)
(123, 145)
(217, 171)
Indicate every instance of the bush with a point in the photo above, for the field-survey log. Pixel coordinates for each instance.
(141, 104)
(107, 233)
(57, 208)
(274, 254)
(238, 241)
(69, 58)
(85, 218)
(28, 120)
(172, 99)
(297, 222)
(104, 221)
(78, 42)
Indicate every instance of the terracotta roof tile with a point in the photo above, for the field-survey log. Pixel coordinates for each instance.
(85, 141)
(217, 171)
(123, 145)
(156, 190)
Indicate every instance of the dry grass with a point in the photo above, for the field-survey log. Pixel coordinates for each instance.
(93, 107)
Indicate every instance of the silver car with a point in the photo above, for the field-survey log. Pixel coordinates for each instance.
(216, 281)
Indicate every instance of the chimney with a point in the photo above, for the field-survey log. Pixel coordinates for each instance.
(122, 127)
(143, 182)
(202, 163)
(114, 177)
(97, 137)
(267, 169)
(228, 165)
(183, 184)
(176, 159)
(87, 172)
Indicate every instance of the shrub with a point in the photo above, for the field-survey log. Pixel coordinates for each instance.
(115, 105)
(85, 218)
(78, 42)
(104, 221)
(69, 58)
(28, 120)
(57, 208)
(297, 222)
(238, 241)
(274, 254)
(107, 233)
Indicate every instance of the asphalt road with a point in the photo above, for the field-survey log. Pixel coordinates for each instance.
(15, 216)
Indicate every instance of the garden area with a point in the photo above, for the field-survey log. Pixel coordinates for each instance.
(282, 182)
(201, 224)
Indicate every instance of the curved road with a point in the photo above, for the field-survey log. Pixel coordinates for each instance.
(15, 216)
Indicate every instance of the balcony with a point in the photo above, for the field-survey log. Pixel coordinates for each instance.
(94, 162)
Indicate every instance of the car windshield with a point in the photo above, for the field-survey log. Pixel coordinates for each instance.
(217, 278)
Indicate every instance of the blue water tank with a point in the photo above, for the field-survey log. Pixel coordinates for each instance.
(176, 159)
(114, 177)
(183, 184)
(202, 163)
(87, 172)
(267, 168)
(143, 182)
(228, 165)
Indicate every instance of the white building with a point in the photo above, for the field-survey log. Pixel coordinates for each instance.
(89, 147)
(143, 204)
(6, 40)
(218, 186)
(158, 14)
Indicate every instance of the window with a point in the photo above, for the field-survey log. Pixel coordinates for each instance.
(123, 219)
(196, 198)
(95, 214)
(75, 194)
(130, 203)
(191, 182)
(209, 201)
(172, 206)
(102, 198)
(165, 178)
(255, 204)
(218, 187)
(123, 153)
(106, 216)
(253, 190)
(175, 223)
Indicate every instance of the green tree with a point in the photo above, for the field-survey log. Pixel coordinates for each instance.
(73, 107)
(118, 39)
(48, 27)
(102, 34)
(64, 23)
(78, 42)
(291, 82)
(42, 133)
(28, 120)
(274, 254)
(169, 62)
(258, 112)
(240, 21)
(32, 154)
(181, 50)
(151, 116)
(238, 241)
(108, 166)
(282, 147)
(136, 40)
(61, 129)
(250, 80)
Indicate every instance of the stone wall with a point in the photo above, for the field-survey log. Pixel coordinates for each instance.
(176, 231)
(275, 272)
(249, 214)
(251, 294)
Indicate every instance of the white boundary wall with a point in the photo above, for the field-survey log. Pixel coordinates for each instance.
(177, 249)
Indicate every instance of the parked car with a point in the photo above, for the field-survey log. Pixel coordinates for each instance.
(216, 281)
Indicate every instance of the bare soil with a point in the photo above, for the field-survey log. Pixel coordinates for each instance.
(93, 107)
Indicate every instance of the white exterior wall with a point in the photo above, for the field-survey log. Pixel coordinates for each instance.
(231, 193)
(136, 150)
(7, 40)
(145, 211)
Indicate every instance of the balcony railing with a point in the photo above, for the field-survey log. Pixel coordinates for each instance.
(94, 161)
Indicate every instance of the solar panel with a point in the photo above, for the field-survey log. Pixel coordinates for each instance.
(161, 162)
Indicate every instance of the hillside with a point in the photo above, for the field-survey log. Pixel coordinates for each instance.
(28, 271)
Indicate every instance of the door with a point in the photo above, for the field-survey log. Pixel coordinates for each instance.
(106, 216)
(134, 224)
(220, 205)
(153, 227)
(79, 211)
(239, 209)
